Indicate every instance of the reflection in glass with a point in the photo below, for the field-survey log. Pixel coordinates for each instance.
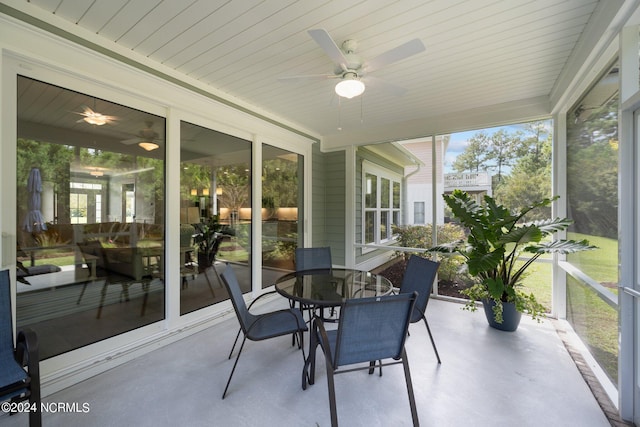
(282, 177)
(90, 209)
(384, 193)
(215, 214)
(371, 191)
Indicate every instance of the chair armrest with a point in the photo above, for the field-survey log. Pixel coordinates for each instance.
(260, 296)
(26, 352)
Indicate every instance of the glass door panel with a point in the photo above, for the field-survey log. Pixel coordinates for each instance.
(215, 214)
(282, 202)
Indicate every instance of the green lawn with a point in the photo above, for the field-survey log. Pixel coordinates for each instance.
(600, 264)
(538, 282)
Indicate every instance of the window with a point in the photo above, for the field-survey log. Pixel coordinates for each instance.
(282, 202)
(381, 194)
(215, 213)
(90, 209)
(418, 212)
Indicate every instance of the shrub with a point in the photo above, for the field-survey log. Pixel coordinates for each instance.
(452, 268)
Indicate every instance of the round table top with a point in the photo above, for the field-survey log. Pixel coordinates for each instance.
(331, 287)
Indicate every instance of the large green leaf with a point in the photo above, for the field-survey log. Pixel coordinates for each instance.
(560, 247)
(480, 262)
(550, 226)
(495, 287)
(521, 235)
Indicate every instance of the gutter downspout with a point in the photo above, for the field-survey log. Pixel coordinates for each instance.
(406, 198)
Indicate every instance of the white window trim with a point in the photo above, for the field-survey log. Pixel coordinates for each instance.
(379, 172)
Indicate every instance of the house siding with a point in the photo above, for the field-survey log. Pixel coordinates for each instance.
(329, 198)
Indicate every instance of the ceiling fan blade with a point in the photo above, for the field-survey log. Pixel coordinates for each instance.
(307, 77)
(380, 84)
(130, 141)
(396, 54)
(329, 46)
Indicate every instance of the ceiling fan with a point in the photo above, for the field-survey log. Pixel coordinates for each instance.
(352, 70)
(93, 117)
(146, 138)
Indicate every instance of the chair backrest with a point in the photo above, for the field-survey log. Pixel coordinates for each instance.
(419, 277)
(313, 258)
(235, 294)
(93, 248)
(6, 318)
(186, 235)
(372, 328)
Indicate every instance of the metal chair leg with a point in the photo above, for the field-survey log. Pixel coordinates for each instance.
(433, 343)
(234, 343)
(234, 368)
(412, 400)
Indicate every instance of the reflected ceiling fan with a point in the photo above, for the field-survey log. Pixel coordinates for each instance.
(146, 138)
(352, 70)
(91, 116)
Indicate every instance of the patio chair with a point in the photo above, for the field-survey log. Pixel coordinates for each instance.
(370, 329)
(16, 383)
(318, 258)
(93, 250)
(313, 258)
(258, 327)
(419, 277)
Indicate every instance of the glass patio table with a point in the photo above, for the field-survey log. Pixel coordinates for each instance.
(324, 288)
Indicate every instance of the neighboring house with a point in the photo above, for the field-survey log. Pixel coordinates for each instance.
(421, 205)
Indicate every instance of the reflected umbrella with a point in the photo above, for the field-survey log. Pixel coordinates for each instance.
(33, 221)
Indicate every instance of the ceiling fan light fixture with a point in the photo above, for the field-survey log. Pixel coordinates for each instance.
(94, 118)
(148, 145)
(350, 87)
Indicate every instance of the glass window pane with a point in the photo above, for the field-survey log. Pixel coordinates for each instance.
(385, 230)
(90, 209)
(282, 177)
(369, 227)
(215, 213)
(384, 192)
(371, 191)
(396, 195)
(418, 212)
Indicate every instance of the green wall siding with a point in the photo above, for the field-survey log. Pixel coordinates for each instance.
(329, 202)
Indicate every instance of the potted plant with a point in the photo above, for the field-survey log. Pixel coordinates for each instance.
(206, 240)
(496, 238)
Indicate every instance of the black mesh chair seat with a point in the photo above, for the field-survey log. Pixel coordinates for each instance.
(258, 327)
(369, 331)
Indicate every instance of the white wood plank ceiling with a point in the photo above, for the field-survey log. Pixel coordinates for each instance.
(478, 52)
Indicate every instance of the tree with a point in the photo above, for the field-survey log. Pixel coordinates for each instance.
(592, 169)
(473, 157)
(502, 151)
(530, 177)
(236, 185)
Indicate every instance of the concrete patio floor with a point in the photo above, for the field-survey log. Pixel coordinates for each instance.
(487, 378)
